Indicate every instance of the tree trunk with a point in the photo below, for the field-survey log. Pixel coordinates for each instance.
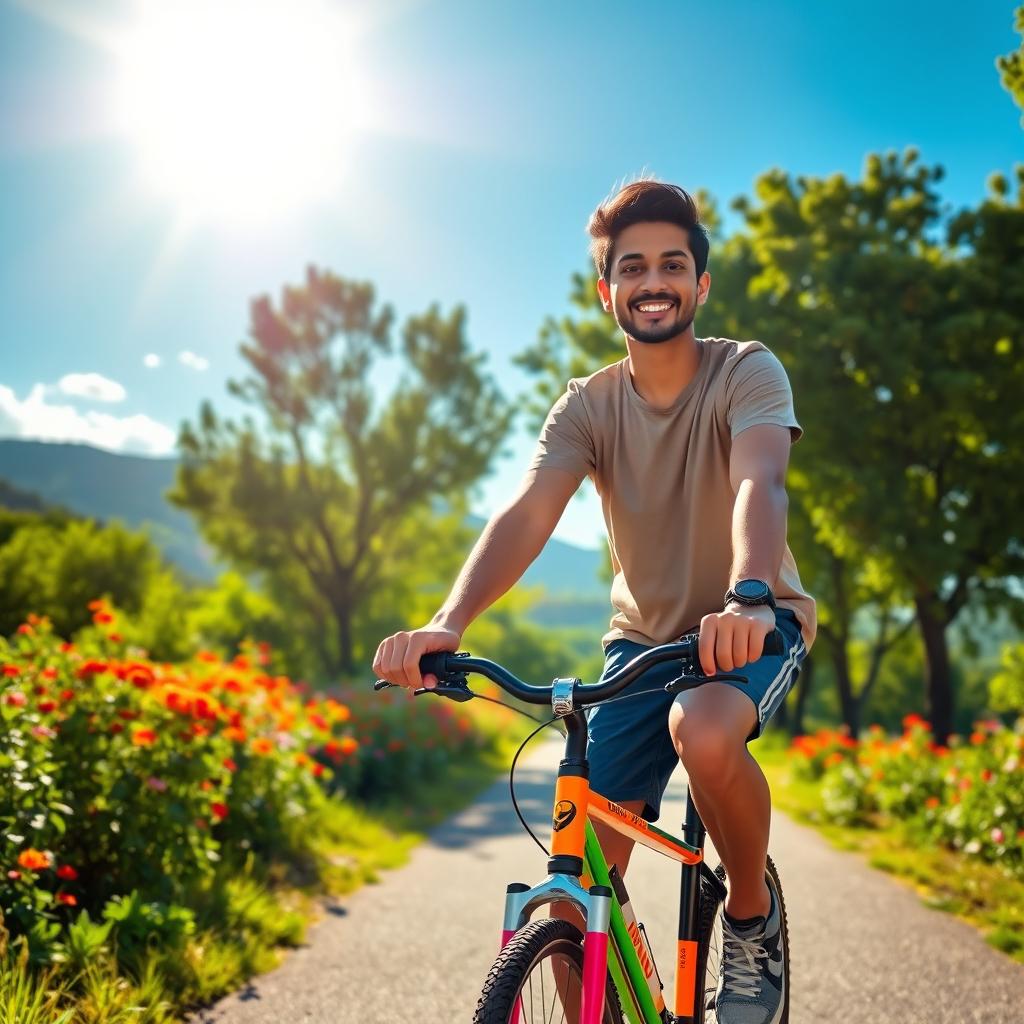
(931, 620)
(803, 689)
(849, 706)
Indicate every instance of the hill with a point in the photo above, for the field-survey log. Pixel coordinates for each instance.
(107, 485)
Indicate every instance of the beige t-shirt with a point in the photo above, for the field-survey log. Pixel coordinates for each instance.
(663, 478)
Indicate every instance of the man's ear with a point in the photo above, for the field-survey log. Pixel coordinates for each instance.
(605, 292)
(703, 287)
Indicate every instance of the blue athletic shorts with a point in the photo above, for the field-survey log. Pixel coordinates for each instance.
(629, 748)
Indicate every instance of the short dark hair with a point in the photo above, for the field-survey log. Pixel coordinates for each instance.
(642, 202)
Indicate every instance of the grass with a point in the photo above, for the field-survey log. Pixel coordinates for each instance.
(248, 914)
(981, 894)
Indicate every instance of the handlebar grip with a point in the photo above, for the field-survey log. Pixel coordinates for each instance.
(435, 664)
(774, 643)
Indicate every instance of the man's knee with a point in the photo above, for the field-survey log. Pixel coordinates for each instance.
(710, 737)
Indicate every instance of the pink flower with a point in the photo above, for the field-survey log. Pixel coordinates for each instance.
(158, 784)
(998, 836)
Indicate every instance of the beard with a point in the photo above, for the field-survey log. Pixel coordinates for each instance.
(672, 327)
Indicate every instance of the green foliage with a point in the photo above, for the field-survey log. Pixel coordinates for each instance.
(54, 568)
(1006, 689)
(1011, 66)
(330, 497)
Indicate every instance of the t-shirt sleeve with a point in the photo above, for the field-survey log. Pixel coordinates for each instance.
(566, 441)
(758, 392)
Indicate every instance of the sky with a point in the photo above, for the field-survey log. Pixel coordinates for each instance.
(448, 152)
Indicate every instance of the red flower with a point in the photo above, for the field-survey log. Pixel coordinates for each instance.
(47, 706)
(143, 737)
(67, 694)
(67, 871)
(220, 811)
(986, 775)
(229, 764)
(103, 618)
(67, 898)
(49, 673)
(932, 802)
(127, 714)
(12, 670)
(16, 699)
(66, 648)
(92, 667)
(117, 727)
(115, 638)
(25, 629)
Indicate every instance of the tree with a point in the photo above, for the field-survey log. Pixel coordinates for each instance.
(905, 345)
(326, 497)
(1011, 66)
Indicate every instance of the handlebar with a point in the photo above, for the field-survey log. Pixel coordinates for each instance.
(451, 670)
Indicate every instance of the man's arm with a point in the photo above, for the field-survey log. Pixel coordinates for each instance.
(511, 540)
(757, 470)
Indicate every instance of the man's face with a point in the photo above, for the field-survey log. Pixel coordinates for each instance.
(652, 288)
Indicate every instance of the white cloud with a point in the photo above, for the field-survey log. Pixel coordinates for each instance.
(191, 360)
(91, 385)
(37, 418)
(152, 361)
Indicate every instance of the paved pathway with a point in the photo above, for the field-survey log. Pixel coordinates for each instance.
(416, 947)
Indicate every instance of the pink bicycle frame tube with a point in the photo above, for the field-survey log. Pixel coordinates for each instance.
(595, 955)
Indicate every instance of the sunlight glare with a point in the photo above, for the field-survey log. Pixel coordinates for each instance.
(242, 112)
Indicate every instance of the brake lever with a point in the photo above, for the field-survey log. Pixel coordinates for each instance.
(454, 690)
(685, 682)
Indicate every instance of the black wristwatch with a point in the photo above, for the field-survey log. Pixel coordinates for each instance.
(750, 592)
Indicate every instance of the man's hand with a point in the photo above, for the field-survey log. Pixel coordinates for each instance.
(398, 657)
(731, 638)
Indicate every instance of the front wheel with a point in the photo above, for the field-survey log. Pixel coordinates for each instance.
(709, 955)
(540, 974)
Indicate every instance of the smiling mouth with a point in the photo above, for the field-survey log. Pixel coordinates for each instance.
(654, 308)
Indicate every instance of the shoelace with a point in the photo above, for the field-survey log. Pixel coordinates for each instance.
(740, 967)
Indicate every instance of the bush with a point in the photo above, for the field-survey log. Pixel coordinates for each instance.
(968, 796)
(125, 783)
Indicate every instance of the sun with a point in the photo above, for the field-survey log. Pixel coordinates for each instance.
(240, 112)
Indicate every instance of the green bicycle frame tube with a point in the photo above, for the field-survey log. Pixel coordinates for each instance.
(642, 1010)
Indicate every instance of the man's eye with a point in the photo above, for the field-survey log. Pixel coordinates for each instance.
(626, 270)
(673, 266)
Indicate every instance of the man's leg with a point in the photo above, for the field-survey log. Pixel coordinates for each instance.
(709, 728)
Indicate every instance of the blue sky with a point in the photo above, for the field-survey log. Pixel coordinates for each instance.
(488, 133)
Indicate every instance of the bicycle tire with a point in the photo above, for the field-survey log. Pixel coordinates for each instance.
(710, 909)
(511, 972)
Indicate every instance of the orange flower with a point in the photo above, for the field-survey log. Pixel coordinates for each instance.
(103, 618)
(348, 745)
(98, 605)
(115, 638)
(208, 656)
(319, 721)
(143, 737)
(26, 630)
(229, 764)
(234, 733)
(66, 648)
(932, 802)
(35, 860)
(67, 871)
(262, 746)
(317, 769)
(67, 898)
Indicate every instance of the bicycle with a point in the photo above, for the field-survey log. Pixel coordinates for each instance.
(608, 974)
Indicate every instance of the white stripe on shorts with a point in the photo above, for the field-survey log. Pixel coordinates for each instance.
(780, 684)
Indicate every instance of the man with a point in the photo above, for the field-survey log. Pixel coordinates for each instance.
(687, 442)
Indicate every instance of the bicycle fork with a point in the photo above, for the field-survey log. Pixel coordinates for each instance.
(596, 905)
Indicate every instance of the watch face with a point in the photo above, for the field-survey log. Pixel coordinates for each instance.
(752, 590)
